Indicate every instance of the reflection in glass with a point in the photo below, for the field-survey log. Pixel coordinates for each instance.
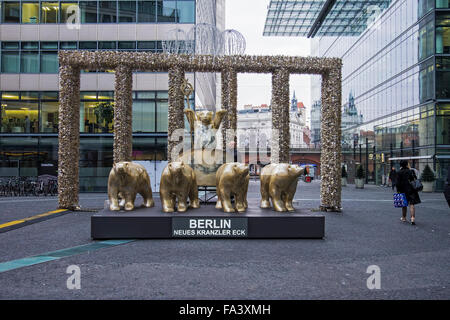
(10, 12)
(167, 11)
(161, 120)
(186, 11)
(49, 117)
(10, 62)
(29, 62)
(127, 11)
(143, 116)
(49, 62)
(146, 11)
(107, 11)
(88, 11)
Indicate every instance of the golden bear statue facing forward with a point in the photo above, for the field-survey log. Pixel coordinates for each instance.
(178, 182)
(232, 180)
(126, 179)
(279, 183)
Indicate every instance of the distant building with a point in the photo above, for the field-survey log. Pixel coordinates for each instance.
(315, 123)
(254, 127)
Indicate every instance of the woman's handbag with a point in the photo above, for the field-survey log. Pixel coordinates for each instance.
(400, 200)
(417, 185)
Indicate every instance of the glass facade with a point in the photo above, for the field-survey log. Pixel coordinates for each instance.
(103, 11)
(398, 73)
(29, 133)
(42, 57)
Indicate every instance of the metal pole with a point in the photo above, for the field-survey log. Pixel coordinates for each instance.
(367, 160)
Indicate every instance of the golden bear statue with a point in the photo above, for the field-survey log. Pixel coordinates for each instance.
(232, 180)
(178, 182)
(126, 179)
(204, 125)
(278, 184)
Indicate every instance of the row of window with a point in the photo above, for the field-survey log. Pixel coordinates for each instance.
(37, 112)
(113, 11)
(426, 6)
(42, 57)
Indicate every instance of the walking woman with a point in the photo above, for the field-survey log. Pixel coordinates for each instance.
(404, 178)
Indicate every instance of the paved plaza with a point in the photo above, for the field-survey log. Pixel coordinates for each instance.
(414, 261)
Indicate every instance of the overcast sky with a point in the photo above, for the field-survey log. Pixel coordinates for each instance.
(248, 17)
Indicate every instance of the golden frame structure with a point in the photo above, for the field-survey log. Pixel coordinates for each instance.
(125, 63)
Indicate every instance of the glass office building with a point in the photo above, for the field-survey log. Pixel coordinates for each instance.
(32, 33)
(397, 71)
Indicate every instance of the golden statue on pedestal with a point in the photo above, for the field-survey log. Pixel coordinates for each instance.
(178, 182)
(126, 179)
(278, 184)
(232, 180)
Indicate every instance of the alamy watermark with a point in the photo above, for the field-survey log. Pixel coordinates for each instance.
(74, 280)
(374, 280)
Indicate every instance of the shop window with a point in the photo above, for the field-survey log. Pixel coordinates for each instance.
(49, 116)
(19, 117)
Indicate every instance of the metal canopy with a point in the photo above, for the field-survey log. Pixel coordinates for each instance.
(308, 18)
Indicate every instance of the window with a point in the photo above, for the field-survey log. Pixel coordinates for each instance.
(426, 40)
(167, 11)
(443, 78)
(29, 62)
(49, 62)
(443, 33)
(30, 12)
(88, 11)
(127, 45)
(442, 4)
(426, 82)
(107, 45)
(10, 62)
(67, 10)
(49, 116)
(107, 11)
(147, 11)
(425, 6)
(49, 12)
(68, 45)
(10, 12)
(143, 116)
(186, 11)
(91, 45)
(19, 116)
(127, 11)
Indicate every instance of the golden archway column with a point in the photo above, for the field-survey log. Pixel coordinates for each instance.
(331, 132)
(175, 112)
(229, 104)
(69, 137)
(280, 117)
(123, 114)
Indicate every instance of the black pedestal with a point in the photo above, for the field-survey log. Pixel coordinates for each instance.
(207, 222)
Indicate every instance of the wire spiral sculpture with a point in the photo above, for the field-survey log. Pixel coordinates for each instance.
(204, 38)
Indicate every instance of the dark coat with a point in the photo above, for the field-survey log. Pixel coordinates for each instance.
(404, 178)
(447, 187)
(393, 176)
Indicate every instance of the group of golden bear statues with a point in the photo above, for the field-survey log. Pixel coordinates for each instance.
(179, 190)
